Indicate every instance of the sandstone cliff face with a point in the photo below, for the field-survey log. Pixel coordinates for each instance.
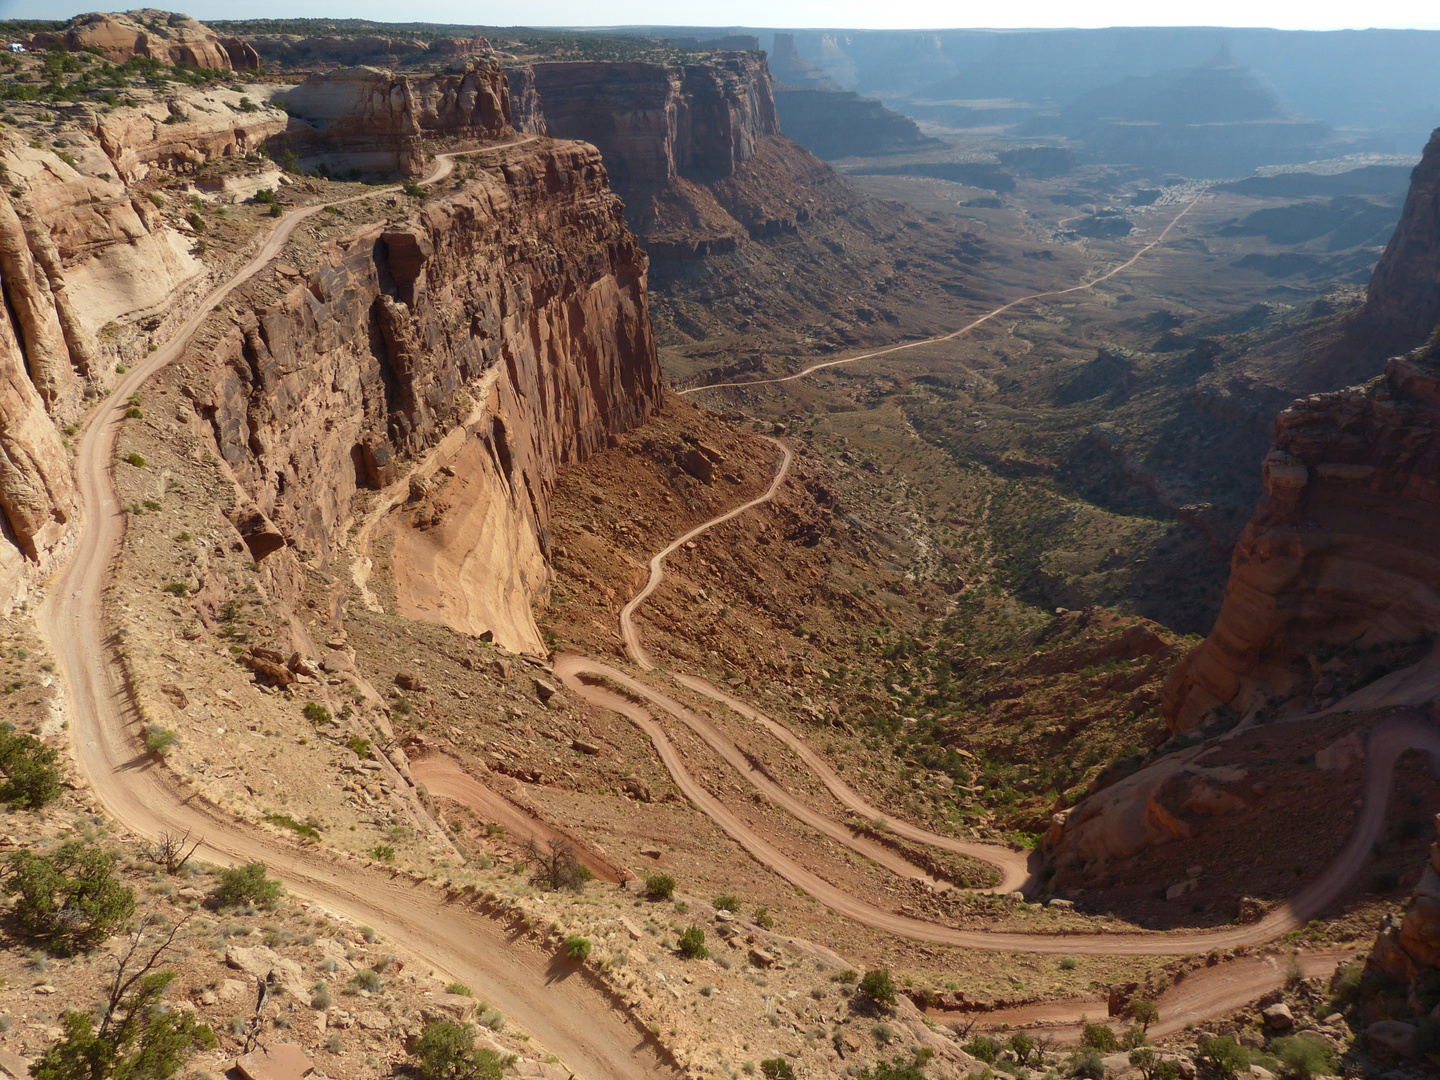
(1339, 559)
(370, 119)
(515, 306)
(159, 35)
(1407, 948)
(840, 123)
(288, 50)
(1402, 307)
(139, 139)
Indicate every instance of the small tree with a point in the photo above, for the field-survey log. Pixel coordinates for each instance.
(878, 987)
(69, 899)
(1023, 1045)
(1143, 1012)
(1086, 1062)
(170, 853)
(446, 1051)
(692, 944)
(1099, 1037)
(556, 865)
(1132, 1037)
(727, 902)
(31, 778)
(1222, 1057)
(247, 885)
(983, 1048)
(660, 887)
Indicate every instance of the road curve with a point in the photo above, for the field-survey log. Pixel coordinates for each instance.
(568, 1016)
(968, 326)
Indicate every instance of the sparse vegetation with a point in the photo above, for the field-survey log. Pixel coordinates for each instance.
(556, 865)
(878, 987)
(446, 1051)
(577, 948)
(69, 899)
(247, 885)
(692, 944)
(32, 779)
(1222, 1057)
(660, 887)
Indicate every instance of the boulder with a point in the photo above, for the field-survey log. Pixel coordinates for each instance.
(283, 1061)
(269, 966)
(1279, 1017)
(1392, 1038)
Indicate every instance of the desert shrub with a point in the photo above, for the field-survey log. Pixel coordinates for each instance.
(317, 714)
(578, 948)
(1303, 1056)
(983, 1048)
(159, 740)
(446, 1051)
(776, 1068)
(727, 902)
(896, 1070)
(660, 887)
(763, 919)
(288, 161)
(412, 188)
(692, 944)
(133, 459)
(849, 975)
(31, 778)
(1099, 1037)
(367, 979)
(149, 1040)
(1132, 1037)
(878, 986)
(69, 899)
(1222, 1057)
(383, 852)
(1086, 1062)
(285, 821)
(1067, 963)
(1152, 1067)
(359, 745)
(264, 195)
(459, 988)
(247, 885)
(320, 996)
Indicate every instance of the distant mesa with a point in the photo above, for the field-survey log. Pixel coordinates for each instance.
(789, 67)
(157, 35)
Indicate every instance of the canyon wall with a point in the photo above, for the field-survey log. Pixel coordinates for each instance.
(513, 308)
(840, 123)
(367, 119)
(1338, 562)
(157, 35)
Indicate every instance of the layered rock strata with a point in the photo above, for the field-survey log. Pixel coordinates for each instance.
(372, 120)
(1339, 557)
(512, 311)
(1407, 949)
(294, 50)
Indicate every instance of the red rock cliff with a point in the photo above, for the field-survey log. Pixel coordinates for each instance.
(158, 35)
(515, 306)
(1338, 560)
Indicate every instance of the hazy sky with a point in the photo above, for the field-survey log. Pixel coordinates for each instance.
(1287, 14)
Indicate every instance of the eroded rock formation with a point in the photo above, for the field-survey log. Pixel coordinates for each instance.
(840, 123)
(369, 119)
(1338, 561)
(159, 35)
(1407, 948)
(288, 50)
(513, 310)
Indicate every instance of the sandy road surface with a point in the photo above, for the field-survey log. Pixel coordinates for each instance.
(443, 777)
(1164, 234)
(558, 1006)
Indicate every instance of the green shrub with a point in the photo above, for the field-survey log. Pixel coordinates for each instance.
(317, 714)
(1303, 1056)
(383, 852)
(446, 1051)
(411, 188)
(896, 1070)
(1023, 1044)
(1143, 1012)
(368, 980)
(1067, 963)
(763, 919)
(159, 740)
(288, 161)
(276, 210)
(727, 902)
(31, 778)
(1222, 1057)
(285, 821)
(359, 745)
(148, 1040)
(264, 196)
(461, 989)
(176, 588)
(1086, 1062)
(849, 975)
(878, 987)
(776, 1068)
(247, 885)
(1099, 1037)
(660, 887)
(692, 944)
(320, 997)
(1132, 1037)
(155, 198)
(133, 413)
(983, 1048)
(132, 458)
(69, 899)
(578, 948)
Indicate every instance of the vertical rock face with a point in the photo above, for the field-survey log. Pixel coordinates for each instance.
(656, 122)
(366, 118)
(841, 123)
(1338, 559)
(1402, 307)
(515, 306)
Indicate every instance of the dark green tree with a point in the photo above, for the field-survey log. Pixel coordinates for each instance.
(446, 1051)
(69, 899)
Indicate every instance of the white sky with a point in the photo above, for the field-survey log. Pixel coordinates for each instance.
(1285, 14)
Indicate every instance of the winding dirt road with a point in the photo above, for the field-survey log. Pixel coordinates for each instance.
(557, 1005)
(995, 313)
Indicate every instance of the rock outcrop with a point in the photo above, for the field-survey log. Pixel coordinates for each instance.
(294, 50)
(157, 35)
(1338, 561)
(368, 119)
(1407, 949)
(200, 128)
(510, 315)
(1402, 306)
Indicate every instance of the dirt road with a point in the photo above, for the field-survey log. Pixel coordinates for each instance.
(1164, 234)
(560, 1008)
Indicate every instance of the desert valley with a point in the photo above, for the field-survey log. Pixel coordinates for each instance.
(669, 552)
